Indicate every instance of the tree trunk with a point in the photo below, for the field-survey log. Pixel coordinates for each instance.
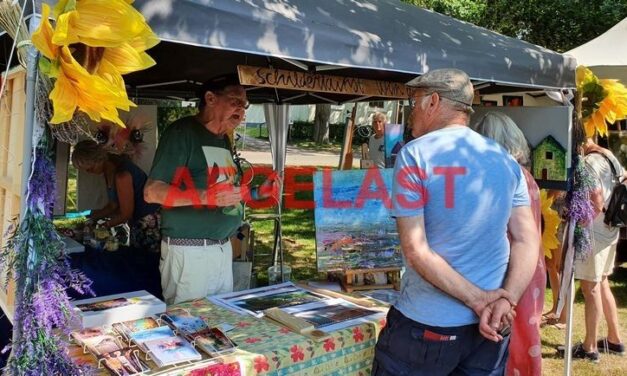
(321, 124)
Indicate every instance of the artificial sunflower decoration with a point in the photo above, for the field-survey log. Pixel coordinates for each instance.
(605, 101)
(551, 223)
(87, 53)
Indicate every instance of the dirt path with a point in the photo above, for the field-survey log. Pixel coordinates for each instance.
(257, 151)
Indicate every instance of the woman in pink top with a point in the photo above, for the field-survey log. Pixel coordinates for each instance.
(525, 349)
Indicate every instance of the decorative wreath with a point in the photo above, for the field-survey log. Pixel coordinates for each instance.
(126, 140)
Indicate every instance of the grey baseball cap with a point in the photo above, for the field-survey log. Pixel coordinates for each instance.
(449, 83)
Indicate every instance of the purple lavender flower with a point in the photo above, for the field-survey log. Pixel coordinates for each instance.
(35, 258)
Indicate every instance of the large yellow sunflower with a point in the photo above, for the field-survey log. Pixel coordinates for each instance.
(551, 223)
(93, 43)
(605, 101)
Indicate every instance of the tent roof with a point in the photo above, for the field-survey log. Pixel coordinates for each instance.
(375, 39)
(608, 49)
(606, 54)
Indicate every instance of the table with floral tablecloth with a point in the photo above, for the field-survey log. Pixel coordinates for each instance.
(266, 348)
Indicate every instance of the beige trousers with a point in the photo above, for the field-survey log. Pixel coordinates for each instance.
(193, 272)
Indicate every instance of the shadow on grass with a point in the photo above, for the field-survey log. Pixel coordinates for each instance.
(618, 283)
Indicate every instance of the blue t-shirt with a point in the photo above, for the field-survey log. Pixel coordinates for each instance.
(465, 186)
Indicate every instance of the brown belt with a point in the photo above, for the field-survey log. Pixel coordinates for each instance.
(194, 242)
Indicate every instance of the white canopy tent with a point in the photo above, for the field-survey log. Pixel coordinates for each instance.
(605, 55)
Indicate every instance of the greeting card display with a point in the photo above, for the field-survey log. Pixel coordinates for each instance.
(143, 336)
(128, 327)
(183, 321)
(110, 309)
(102, 344)
(123, 362)
(83, 335)
(212, 341)
(171, 350)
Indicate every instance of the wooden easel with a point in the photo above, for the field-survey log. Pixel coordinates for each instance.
(393, 277)
(346, 158)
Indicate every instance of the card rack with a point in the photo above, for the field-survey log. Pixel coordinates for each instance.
(101, 361)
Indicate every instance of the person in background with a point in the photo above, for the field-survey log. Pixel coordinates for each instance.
(464, 276)
(125, 191)
(376, 147)
(554, 264)
(525, 347)
(195, 153)
(593, 271)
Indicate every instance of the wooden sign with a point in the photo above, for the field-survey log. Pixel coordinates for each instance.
(320, 83)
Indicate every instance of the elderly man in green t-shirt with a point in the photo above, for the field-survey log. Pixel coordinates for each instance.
(194, 177)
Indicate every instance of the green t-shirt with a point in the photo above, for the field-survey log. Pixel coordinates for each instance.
(186, 145)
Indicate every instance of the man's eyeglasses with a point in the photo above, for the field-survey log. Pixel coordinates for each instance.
(238, 102)
(413, 100)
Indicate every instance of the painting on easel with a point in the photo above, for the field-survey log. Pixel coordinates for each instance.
(354, 229)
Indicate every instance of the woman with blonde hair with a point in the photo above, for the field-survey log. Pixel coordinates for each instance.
(525, 349)
(125, 191)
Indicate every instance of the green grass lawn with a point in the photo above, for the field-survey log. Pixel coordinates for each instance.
(552, 337)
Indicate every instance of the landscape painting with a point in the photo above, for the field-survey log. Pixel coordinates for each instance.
(354, 229)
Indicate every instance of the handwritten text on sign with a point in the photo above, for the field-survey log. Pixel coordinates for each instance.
(314, 82)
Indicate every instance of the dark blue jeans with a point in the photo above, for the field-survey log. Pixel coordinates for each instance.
(406, 347)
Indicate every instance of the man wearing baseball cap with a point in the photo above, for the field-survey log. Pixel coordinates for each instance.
(457, 196)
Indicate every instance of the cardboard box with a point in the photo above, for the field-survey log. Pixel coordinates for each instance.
(107, 310)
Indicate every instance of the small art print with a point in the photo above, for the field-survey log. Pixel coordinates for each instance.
(123, 362)
(393, 142)
(166, 351)
(152, 334)
(213, 341)
(512, 100)
(183, 321)
(330, 315)
(104, 305)
(102, 344)
(84, 335)
(281, 300)
(137, 325)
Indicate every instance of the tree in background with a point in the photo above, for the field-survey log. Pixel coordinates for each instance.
(559, 25)
(321, 123)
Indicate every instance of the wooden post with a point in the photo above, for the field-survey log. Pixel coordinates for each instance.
(346, 159)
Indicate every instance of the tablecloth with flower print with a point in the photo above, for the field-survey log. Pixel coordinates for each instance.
(266, 348)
